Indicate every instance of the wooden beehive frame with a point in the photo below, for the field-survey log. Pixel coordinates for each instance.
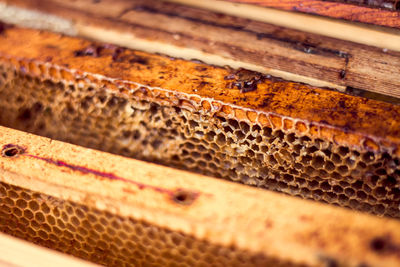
(276, 12)
(383, 13)
(232, 40)
(205, 118)
(274, 227)
(51, 191)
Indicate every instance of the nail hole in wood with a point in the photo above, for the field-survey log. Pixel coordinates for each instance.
(183, 197)
(11, 151)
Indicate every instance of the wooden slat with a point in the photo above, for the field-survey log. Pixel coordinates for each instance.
(360, 33)
(373, 14)
(385, 4)
(226, 40)
(259, 222)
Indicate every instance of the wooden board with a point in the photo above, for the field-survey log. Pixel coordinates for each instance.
(383, 4)
(382, 13)
(219, 39)
(341, 29)
(206, 220)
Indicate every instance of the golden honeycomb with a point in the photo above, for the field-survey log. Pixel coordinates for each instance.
(109, 239)
(219, 145)
(181, 129)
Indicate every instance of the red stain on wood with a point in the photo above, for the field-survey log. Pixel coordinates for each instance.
(12, 150)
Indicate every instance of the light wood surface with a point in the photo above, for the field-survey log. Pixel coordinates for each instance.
(223, 213)
(363, 34)
(19, 253)
(384, 13)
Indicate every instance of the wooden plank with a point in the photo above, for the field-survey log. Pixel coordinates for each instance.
(213, 216)
(385, 4)
(225, 40)
(382, 13)
(359, 33)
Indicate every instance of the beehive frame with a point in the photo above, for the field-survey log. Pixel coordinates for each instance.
(221, 35)
(239, 125)
(115, 211)
(294, 139)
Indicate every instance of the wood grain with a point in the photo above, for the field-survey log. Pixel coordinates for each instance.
(341, 29)
(252, 221)
(251, 44)
(337, 10)
(386, 4)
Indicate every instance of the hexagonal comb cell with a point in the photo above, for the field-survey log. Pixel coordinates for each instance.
(108, 239)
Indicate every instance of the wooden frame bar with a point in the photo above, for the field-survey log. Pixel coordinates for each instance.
(374, 14)
(161, 27)
(263, 227)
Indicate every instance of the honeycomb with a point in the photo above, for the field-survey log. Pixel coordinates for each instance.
(169, 127)
(108, 239)
(213, 145)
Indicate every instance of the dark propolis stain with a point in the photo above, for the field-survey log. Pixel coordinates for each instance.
(245, 80)
(139, 60)
(200, 68)
(116, 53)
(342, 104)
(101, 50)
(91, 50)
(179, 195)
(384, 245)
(202, 84)
(4, 27)
(265, 103)
(268, 100)
(328, 261)
(385, 4)
(342, 74)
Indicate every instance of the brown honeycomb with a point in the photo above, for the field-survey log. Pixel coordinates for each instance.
(218, 145)
(199, 131)
(108, 239)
